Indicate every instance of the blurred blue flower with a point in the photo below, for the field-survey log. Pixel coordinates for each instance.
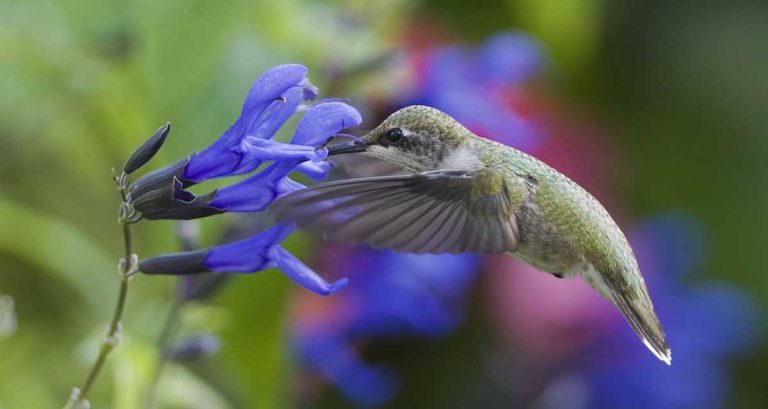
(391, 296)
(408, 294)
(474, 86)
(508, 59)
(333, 356)
(707, 325)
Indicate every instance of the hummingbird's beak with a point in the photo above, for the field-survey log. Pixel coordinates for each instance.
(350, 146)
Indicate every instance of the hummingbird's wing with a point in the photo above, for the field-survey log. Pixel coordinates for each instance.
(431, 212)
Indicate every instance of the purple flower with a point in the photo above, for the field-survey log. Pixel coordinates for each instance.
(257, 253)
(261, 252)
(319, 123)
(273, 98)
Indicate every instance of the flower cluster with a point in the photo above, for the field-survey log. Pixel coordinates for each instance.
(274, 97)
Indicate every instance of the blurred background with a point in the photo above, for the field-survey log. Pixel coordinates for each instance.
(657, 108)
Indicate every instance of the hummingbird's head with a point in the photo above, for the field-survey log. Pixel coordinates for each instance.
(416, 138)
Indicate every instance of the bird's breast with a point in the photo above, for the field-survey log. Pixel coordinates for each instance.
(542, 243)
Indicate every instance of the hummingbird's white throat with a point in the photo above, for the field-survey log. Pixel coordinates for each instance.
(461, 158)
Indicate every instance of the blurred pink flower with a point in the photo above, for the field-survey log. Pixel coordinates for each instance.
(546, 318)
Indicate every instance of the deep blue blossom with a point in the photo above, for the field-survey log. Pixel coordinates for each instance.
(263, 251)
(315, 128)
(391, 296)
(273, 98)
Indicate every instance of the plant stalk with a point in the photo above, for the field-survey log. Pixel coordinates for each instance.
(127, 267)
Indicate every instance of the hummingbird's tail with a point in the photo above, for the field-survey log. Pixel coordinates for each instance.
(635, 304)
(642, 319)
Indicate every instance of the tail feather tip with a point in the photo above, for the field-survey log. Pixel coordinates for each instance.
(664, 354)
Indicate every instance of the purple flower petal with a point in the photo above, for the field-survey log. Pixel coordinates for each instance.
(273, 98)
(266, 149)
(315, 170)
(266, 126)
(272, 83)
(303, 275)
(310, 91)
(257, 192)
(249, 255)
(323, 120)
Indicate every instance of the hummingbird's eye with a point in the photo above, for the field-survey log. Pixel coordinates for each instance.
(392, 137)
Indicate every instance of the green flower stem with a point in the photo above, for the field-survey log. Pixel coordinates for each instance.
(127, 267)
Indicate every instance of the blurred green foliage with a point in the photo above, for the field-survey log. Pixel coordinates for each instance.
(681, 86)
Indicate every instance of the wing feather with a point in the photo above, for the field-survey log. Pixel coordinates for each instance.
(359, 207)
(408, 239)
(446, 224)
(431, 212)
(434, 221)
(368, 221)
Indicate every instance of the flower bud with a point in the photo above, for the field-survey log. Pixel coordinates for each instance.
(161, 195)
(147, 150)
(187, 262)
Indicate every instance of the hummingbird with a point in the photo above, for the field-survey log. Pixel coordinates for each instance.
(466, 194)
